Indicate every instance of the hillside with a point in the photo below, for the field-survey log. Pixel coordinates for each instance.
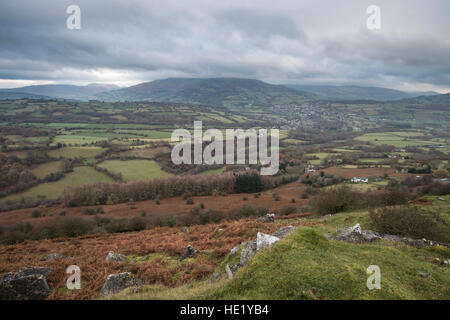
(214, 91)
(12, 95)
(308, 266)
(357, 92)
(59, 91)
(442, 100)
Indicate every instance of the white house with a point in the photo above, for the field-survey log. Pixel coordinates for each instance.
(360, 180)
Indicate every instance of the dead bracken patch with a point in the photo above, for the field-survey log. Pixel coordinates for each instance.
(162, 246)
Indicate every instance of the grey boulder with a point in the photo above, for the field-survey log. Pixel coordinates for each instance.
(231, 269)
(26, 284)
(190, 252)
(118, 282)
(115, 257)
(264, 241)
(356, 235)
(284, 231)
(248, 251)
(270, 217)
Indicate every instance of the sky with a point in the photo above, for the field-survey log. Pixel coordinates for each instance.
(125, 42)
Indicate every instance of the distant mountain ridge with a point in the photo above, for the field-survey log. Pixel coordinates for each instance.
(226, 92)
(358, 92)
(442, 100)
(209, 91)
(62, 91)
(6, 95)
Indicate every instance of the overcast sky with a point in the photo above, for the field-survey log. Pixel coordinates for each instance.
(125, 42)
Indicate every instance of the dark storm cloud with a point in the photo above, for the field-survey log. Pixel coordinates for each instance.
(283, 41)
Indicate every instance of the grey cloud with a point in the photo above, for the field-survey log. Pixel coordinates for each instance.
(284, 41)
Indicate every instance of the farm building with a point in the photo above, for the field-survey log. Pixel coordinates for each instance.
(360, 180)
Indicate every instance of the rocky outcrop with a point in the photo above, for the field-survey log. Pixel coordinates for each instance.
(250, 248)
(26, 284)
(283, 232)
(248, 251)
(231, 269)
(270, 217)
(115, 257)
(190, 252)
(264, 241)
(118, 282)
(357, 235)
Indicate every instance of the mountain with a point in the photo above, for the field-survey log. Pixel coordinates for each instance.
(212, 91)
(357, 92)
(63, 91)
(6, 95)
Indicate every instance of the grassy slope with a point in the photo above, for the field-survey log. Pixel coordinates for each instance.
(307, 261)
(45, 169)
(53, 190)
(135, 170)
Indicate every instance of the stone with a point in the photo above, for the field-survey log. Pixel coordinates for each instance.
(115, 257)
(26, 284)
(357, 235)
(190, 252)
(234, 250)
(264, 241)
(216, 277)
(231, 269)
(270, 217)
(29, 271)
(118, 282)
(54, 256)
(248, 251)
(228, 271)
(283, 232)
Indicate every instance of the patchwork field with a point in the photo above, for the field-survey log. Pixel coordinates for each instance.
(135, 170)
(397, 139)
(76, 152)
(53, 190)
(45, 169)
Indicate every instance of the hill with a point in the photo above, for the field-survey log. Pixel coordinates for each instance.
(357, 92)
(60, 91)
(213, 91)
(7, 95)
(307, 265)
(442, 100)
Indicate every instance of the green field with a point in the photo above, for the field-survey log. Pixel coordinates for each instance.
(53, 190)
(45, 169)
(214, 171)
(320, 155)
(135, 170)
(150, 134)
(76, 152)
(76, 139)
(396, 139)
